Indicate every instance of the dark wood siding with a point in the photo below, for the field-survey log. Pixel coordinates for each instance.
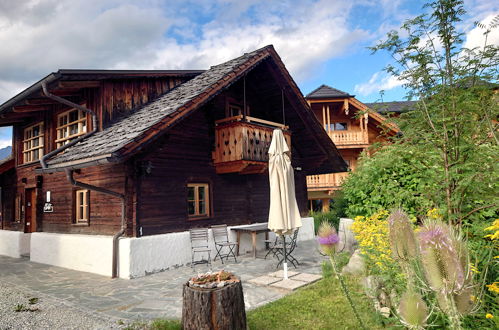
(7, 182)
(105, 211)
(119, 97)
(184, 156)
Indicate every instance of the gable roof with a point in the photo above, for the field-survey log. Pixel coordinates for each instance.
(325, 91)
(396, 106)
(132, 133)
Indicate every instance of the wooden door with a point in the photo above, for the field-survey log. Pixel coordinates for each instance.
(30, 207)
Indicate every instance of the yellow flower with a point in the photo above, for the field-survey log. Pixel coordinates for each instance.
(489, 316)
(494, 287)
(474, 269)
(495, 226)
(434, 214)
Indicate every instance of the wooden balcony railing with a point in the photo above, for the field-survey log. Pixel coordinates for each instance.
(242, 146)
(325, 181)
(341, 138)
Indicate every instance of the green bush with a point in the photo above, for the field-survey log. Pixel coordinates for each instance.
(486, 271)
(337, 210)
(320, 217)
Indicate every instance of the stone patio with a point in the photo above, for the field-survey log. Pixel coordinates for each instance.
(158, 295)
(295, 280)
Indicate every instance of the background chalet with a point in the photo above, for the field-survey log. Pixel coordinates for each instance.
(353, 126)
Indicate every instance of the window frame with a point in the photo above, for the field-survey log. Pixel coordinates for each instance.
(81, 121)
(28, 153)
(207, 201)
(81, 217)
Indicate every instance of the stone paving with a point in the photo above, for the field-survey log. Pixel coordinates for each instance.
(154, 296)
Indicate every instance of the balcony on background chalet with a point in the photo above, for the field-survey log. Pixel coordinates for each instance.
(241, 144)
(330, 181)
(349, 139)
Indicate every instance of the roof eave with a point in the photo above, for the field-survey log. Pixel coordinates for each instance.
(79, 164)
(36, 87)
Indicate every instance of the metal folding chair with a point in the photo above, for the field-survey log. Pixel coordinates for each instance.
(199, 244)
(222, 242)
(290, 247)
(272, 244)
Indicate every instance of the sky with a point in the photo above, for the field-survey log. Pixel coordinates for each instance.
(319, 41)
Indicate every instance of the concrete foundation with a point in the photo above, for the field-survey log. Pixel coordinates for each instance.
(137, 256)
(14, 243)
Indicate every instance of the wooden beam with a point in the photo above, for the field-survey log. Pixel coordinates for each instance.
(345, 106)
(63, 92)
(40, 101)
(30, 108)
(310, 101)
(79, 84)
(10, 121)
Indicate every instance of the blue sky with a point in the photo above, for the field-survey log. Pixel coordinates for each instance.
(320, 41)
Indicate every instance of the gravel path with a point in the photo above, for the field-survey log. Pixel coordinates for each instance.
(44, 312)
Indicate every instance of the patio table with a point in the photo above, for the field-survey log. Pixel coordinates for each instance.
(253, 230)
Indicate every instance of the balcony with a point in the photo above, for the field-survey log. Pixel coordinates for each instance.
(352, 139)
(242, 146)
(330, 181)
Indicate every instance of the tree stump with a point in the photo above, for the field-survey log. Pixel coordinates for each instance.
(217, 308)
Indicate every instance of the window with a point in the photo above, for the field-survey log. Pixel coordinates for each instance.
(339, 126)
(81, 206)
(33, 143)
(235, 110)
(70, 125)
(198, 200)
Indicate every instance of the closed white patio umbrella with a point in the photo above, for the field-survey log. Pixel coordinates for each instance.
(284, 215)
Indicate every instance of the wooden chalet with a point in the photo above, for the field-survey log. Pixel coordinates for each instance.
(156, 151)
(353, 127)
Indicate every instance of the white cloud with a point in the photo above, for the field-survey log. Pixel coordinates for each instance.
(378, 81)
(5, 137)
(476, 37)
(41, 36)
(5, 143)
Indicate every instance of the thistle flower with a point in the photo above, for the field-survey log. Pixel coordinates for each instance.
(327, 238)
(442, 256)
(402, 240)
(464, 301)
(413, 310)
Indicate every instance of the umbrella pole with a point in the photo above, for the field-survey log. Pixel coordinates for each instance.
(285, 258)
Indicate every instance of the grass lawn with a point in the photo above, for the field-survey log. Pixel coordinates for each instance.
(319, 306)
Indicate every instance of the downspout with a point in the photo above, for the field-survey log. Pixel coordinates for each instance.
(69, 173)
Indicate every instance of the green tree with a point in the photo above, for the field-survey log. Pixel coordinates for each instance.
(451, 136)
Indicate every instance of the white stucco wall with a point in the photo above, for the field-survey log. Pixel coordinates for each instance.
(137, 256)
(151, 254)
(87, 253)
(14, 243)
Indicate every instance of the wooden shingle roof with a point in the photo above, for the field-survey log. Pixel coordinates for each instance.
(134, 132)
(396, 107)
(131, 129)
(327, 92)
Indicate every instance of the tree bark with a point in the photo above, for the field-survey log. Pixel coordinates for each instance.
(214, 309)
